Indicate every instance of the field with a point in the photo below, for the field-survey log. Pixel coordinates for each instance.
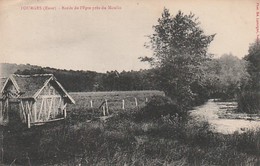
(116, 101)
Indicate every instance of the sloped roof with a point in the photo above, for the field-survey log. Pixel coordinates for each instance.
(30, 86)
(2, 82)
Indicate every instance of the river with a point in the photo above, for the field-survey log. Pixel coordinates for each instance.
(212, 112)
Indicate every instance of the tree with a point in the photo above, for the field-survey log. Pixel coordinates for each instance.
(179, 48)
(253, 58)
(227, 75)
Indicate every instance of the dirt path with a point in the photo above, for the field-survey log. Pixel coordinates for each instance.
(210, 112)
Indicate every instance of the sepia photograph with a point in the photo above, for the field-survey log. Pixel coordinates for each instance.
(129, 83)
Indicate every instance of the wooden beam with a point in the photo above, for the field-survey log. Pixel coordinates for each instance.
(60, 103)
(45, 109)
(136, 104)
(50, 107)
(64, 106)
(43, 122)
(91, 104)
(23, 110)
(64, 113)
(123, 104)
(40, 112)
(35, 112)
(54, 107)
(40, 90)
(49, 96)
(28, 121)
(29, 109)
(106, 104)
(104, 111)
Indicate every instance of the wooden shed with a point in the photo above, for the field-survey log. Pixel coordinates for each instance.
(33, 100)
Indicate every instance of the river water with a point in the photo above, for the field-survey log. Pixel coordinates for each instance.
(212, 110)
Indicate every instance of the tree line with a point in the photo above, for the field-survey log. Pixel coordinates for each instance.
(85, 81)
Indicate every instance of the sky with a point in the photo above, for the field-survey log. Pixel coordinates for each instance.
(104, 35)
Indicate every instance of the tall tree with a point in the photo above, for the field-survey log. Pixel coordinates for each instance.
(227, 75)
(253, 57)
(179, 48)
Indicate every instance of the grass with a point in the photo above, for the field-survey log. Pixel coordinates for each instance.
(130, 138)
(114, 99)
(123, 141)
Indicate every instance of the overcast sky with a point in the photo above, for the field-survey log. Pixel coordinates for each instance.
(102, 40)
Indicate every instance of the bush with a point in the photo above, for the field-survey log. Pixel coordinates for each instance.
(248, 102)
(160, 106)
(248, 142)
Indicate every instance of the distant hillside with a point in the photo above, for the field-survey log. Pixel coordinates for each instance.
(10, 68)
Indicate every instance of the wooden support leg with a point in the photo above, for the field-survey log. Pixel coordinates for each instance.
(123, 104)
(64, 112)
(91, 104)
(107, 107)
(28, 121)
(104, 111)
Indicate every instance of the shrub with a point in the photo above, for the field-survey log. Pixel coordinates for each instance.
(198, 134)
(160, 106)
(248, 102)
(248, 142)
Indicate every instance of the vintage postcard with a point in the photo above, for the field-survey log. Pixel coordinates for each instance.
(129, 82)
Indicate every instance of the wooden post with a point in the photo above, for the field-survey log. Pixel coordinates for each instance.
(64, 113)
(123, 104)
(104, 111)
(91, 104)
(106, 106)
(136, 104)
(28, 120)
(146, 99)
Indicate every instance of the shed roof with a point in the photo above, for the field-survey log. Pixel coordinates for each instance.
(2, 82)
(30, 86)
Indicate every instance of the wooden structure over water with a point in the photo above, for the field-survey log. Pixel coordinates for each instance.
(32, 100)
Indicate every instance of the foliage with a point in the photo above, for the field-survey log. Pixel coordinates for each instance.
(253, 57)
(249, 97)
(247, 142)
(180, 47)
(226, 76)
(248, 101)
(160, 106)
